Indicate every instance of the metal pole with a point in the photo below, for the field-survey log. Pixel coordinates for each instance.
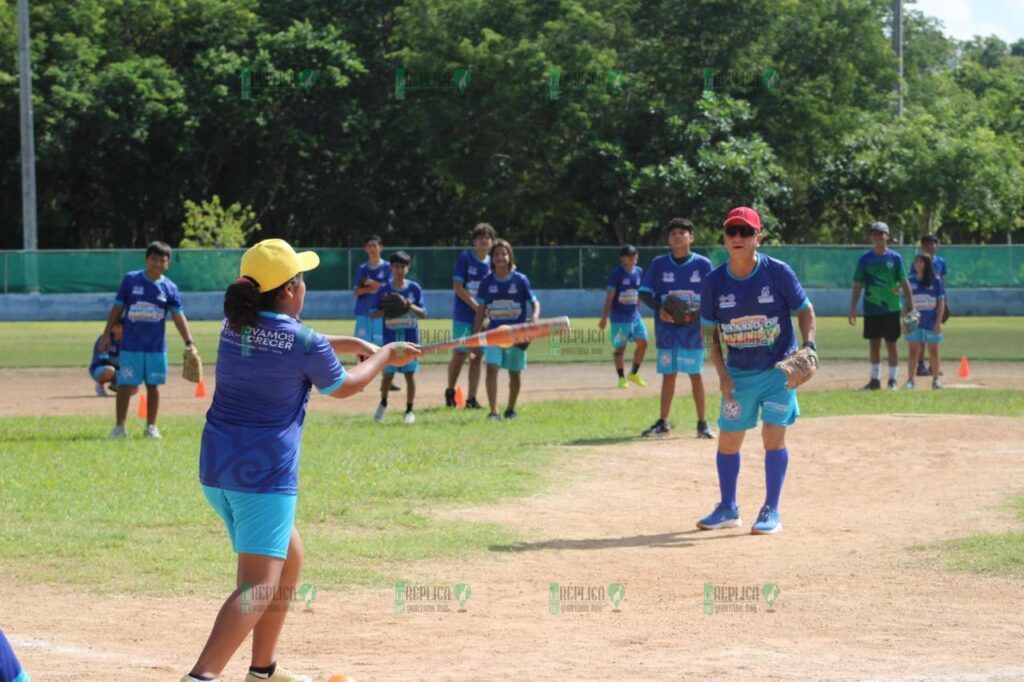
(28, 151)
(897, 46)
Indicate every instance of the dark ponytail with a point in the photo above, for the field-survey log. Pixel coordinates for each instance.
(243, 302)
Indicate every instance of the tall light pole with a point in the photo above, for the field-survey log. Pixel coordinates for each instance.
(897, 46)
(28, 147)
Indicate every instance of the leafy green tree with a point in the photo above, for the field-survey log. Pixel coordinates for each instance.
(208, 225)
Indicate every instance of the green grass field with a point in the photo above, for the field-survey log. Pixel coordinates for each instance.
(130, 516)
(69, 344)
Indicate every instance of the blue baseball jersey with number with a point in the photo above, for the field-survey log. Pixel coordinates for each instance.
(146, 306)
(381, 273)
(470, 272)
(10, 668)
(626, 285)
(254, 426)
(926, 298)
(108, 358)
(507, 301)
(667, 276)
(753, 313)
(405, 327)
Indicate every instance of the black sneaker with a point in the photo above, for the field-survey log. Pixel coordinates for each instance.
(873, 385)
(449, 397)
(510, 414)
(703, 431)
(494, 416)
(472, 404)
(923, 370)
(660, 428)
(892, 385)
(394, 387)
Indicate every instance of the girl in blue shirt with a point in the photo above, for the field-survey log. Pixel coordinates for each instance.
(929, 294)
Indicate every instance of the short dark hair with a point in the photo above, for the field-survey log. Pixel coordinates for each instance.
(678, 224)
(373, 238)
(159, 248)
(929, 238)
(483, 230)
(400, 257)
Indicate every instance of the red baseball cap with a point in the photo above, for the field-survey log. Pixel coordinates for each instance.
(743, 215)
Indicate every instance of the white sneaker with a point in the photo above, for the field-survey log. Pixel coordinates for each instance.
(909, 385)
(100, 391)
(152, 432)
(410, 418)
(117, 433)
(378, 416)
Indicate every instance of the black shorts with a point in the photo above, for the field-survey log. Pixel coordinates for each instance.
(886, 326)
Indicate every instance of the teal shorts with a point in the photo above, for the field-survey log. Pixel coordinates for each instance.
(924, 336)
(761, 391)
(513, 359)
(626, 332)
(404, 369)
(673, 360)
(371, 330)
(258, 523)
(461, 330)
(142, 368)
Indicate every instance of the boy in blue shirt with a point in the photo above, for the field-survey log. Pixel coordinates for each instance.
(680, 346)
(370, 277)
(622, 304)
(103, 368)
(402, 328)
(470, 268)
(144, 299)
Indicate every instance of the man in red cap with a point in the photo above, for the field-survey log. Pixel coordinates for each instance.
(748, 303)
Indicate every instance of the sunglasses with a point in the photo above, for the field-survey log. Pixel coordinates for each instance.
(741, 230)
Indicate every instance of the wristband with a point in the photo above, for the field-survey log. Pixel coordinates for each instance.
(190, 342)
(811, 345)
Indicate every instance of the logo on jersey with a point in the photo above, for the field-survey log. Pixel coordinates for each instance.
(472, 271)
(668, 277)
(728, 301)
(493, 289)
(766, 296)
(512, 289)
(138, 291)
(731, 409)
(750, 331)
(695, 277)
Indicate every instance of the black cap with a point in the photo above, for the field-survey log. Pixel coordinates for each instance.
(628, 250)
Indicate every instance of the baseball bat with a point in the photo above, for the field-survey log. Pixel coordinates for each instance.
(504, 336)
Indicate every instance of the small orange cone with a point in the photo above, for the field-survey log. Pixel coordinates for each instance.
(201, 389)
(142, 406)
(460, 400)
(965, 370)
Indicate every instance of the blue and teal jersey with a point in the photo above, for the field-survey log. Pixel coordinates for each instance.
(470, 271)
(753, 313)
(108, 358)
(380, 273)
(881, 276)
(939, 265)
(146, 305)
(626, 285)
(507, 301)
(667, 276)
(254, 426)
(405, 327)
(926, 298)
(10, 668)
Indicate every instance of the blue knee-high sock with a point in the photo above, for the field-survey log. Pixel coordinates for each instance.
(775, 463)
(728, 473)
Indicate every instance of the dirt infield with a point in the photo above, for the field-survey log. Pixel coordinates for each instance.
(854, 602)
(52, 391)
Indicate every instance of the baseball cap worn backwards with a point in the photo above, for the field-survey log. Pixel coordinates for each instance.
(743, 215)
(272, 262)
(880, 227)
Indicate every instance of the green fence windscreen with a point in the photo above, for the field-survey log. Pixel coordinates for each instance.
(549, 267)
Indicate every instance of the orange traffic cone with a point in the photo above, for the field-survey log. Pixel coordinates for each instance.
(965, 370)
(460, 400)
(201, 389)
(142, 406)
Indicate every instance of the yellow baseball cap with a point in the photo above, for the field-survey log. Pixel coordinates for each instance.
(272, 262)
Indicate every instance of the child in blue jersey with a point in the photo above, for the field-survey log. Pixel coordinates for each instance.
(506, 298)
(470, 268)
(929, 294)
(930, 246)
(402, 328)
(621, 303)
(680, 346)
(10, 668)
(248, 464)
(103, 367)
(370, 277)
(144, 299)
(747, 303)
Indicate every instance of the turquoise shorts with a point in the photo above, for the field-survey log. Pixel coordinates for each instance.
(513, 359)
(258, 523)
(404, 369)
(761, 391)
(138, 367)
(924, 336)
(626, 332)
(371, 330)
(673, 360)
(460, 330)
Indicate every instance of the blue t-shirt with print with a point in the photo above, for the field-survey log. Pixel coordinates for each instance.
(146, 305)
(381, 273)
(926, 298)
(667, 276)
(626, 285)
(507, 301)
(470, 271)
(405, 327)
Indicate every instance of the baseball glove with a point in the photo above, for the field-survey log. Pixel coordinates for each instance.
(911, 321)
(682, 310)
(394, 304)
(799, 367)
(192, 365)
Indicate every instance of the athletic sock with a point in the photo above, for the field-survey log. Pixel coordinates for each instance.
(894, 372)
(408, 407)
(728, 474)
(775, 464)
(263, 673)
(636, 368)
(621, 373)
(876, 370)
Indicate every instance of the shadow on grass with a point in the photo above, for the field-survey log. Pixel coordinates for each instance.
(685, 538)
